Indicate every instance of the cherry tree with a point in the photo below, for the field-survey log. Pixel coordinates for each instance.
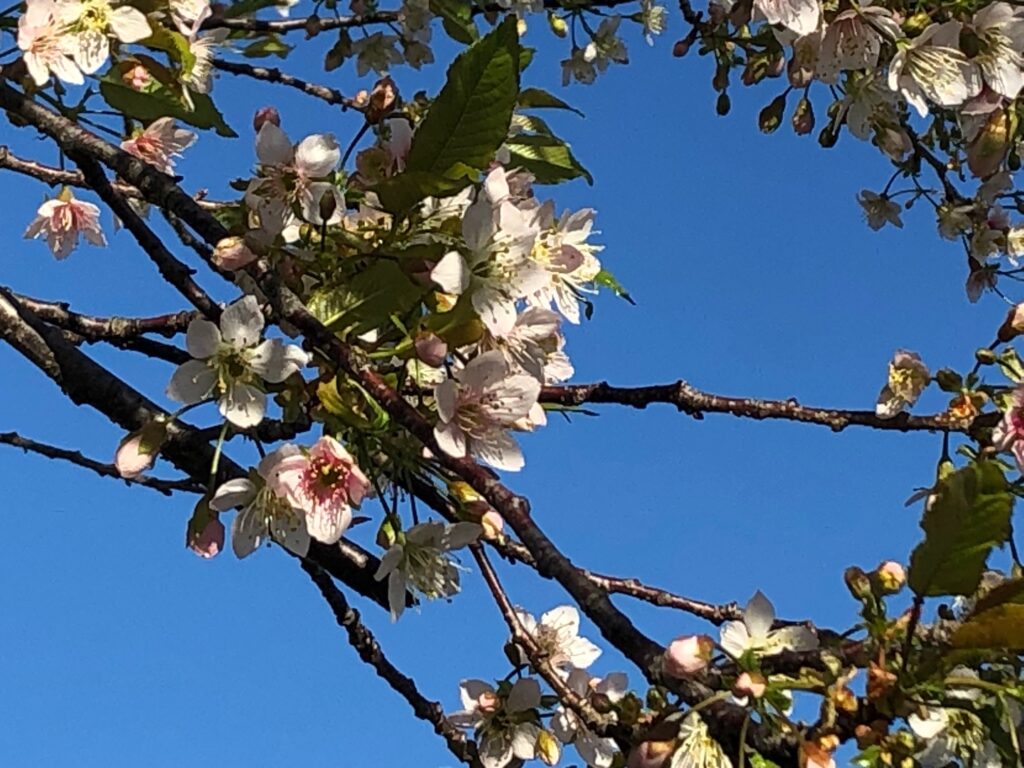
(399, 300)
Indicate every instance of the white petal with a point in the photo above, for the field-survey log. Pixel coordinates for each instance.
(931, 725)
(564, 620)
(272, 145)
(247, 532)
(497, 311)
(497, 448)
(391, 560)
(451, 439)
(290, 532)
(525, 694)
(734, 638)
(243, 405)
(451, 273)
(91, 50)
(191, 382)
(447, 395)
(242, 323)
(524, 741)
(129, 24)
(328, 525)
(396, 593)
(202, 339)
(795, 638)
(470, 692)
(581, 652)
(275, 361)
(317, 155)
(758, 616)
(233, 493)
(460, 535)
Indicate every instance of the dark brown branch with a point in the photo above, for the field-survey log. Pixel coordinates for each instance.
(166, 487)
(275, 75)
(369, 650)
(690, 400)
(112, 329)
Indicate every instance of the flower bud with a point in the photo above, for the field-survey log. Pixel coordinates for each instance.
(137, 78)
(916, 24)
(232, 253)
(949, 380)
(558, 25)
(682, 47)
(986, 356)
(723, 104)
(313, 26)
(814, 756)
(770, 117)
(986, 151)
(492, 523)
(1012, 327)
(205, 532)
(548, 749)
(650, 754)
(857, 582)
(138, 450)
(687, 655)
(803, 117)
(431, 349)
(890, 577)
(265, 115)
(381, 100)
(749, 685)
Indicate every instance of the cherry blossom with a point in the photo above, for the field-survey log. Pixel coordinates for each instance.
(567, 258)
(324, 482)
(230, 364)
(557, 635)
(263, 514)
(800, 16)
(209, 541)
(504, 720)
(1000, 32)
(46, 46)
(908, 378)
(596, 751)
(879, 210)
(419, 559)
(696, 747)
(688, 655)
(62, 220)
(91, 24)
(159, 143)
(477, 407)
(1009, 433)
(932, 68)
(853, 40)
(755, 634)
(533, 346)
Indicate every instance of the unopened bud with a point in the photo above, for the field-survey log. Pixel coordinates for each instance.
(917, 23)
(548, 748)
(803, 117)
(986, 152)
(776, 66)
(431, 349)
(857, 582)
(716, 13)
(828, 137)
(265, 115)
(723, 105)
(313, 26)
(721, 79)
(984, 355)
(687, 655)
(771, 116)
(682, 47)
(205, 532)
(558, 25)
(752, 685)
(381, 100)
(1012, 327)
(232, 253)
(137, 77)
(138, 450)
(890, 577)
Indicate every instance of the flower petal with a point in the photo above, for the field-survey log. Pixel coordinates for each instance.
(202, 338)
(243, 405)
(275, 361)
(191, 382)
(242, 323)
(233, 493)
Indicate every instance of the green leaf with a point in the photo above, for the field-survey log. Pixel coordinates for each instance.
(607, 280)
(548, 158)
(175, 44)
(368, 300)
(537, 98)
(268, 46)
(969, 516)
(526, 124)
(525, 57)
(457, 19)
(402, 191)
(1011, 366)
(469, 119)
(161, 102)
(999, 627)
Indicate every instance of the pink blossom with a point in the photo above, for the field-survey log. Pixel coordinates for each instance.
(160, 143)
(748, 685)
(137, 77)
(232, 253)
(1008, 433)
(688, 655)
(62, 220)
(210, 540)
(323, 482)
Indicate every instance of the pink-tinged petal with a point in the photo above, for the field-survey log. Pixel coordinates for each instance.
(233, 493)
(243, 405)
(129, 24)
(471, 692)
(210, 541)
(525, 694)
(451, 273)
(358, 486)
(272, 145)
(192, 382)
(275, 361)
(317, 155)
(451, 439)
(247, 532)
(242, 323)
(327, 524)
(202, 340)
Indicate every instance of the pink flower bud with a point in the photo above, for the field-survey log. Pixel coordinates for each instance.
(137, 77)
(748, 685)
(265, 115)
(232, 253)
(493, 523)
(431, 349)
(890, 577)
(210, 541)
(1013, 326)
(687, 655)
(138, 450)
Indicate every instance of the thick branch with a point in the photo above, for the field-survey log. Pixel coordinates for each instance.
(369, 650)
(166, 487)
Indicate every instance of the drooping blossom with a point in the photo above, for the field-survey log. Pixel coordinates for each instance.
(606, 46)
(160, 143)
(497, 270)
(504, 720)
(230, 364)
(853, 40)
(376, 52)
(557, 635)
(138, 450)
(932, 68)
(596, 751)
(232, 253)
(688, 655)
(263, 514)
(879, 210)
(62, 220)
(91, 24)
(420, 559)
(324, 482)
(46, 46)
(294, 180)
(749, 686)
(199, 78)
(1000, 33)
(755, 634)
(477, 407)
(908, 377)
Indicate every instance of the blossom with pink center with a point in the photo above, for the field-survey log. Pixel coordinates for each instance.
(160, 143)
(1008, 434)
(324, 482)
(45, 44)
(62, 220)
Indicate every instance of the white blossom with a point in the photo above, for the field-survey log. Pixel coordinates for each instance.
(879, 210)
(160, 143)
(568, 259)
(557, 635)
(932, 68)
(91, 24)
(754, 633)
(908, 376)
(46, 46)
(376, 52)
(62, 220)
(853, 40)
(505, 721)
(596, 751)
(696, 747)
(1000, 33)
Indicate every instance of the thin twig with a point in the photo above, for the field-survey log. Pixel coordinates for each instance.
(275, 75)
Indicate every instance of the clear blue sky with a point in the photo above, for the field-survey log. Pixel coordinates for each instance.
(754, 275)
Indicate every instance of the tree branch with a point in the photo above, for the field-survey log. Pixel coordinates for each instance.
(275, 75)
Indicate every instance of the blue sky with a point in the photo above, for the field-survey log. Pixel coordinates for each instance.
(754, 274)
